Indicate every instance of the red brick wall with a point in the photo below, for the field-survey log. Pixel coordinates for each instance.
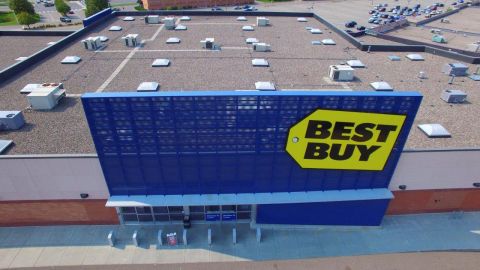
(426, 201)
(161, 4)
(57, 212)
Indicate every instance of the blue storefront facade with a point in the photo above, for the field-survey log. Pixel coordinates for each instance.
(221, 156)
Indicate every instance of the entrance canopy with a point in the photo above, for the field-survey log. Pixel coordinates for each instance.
(249, 198)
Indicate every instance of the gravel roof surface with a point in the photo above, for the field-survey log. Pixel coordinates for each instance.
(423, 34)
(13, 47)
(294, 64)
(467, 19)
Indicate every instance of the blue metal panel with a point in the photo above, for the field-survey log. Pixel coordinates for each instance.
(346, 213)
(225, 141)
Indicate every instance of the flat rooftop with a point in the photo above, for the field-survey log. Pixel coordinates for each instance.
(22, 46)
(294, 64)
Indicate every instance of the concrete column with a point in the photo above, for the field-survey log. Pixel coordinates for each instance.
(259, 235)
(160, 237)
(234, 235)
(111, 238)
(185, 237)
(135, 238)
(209, 236)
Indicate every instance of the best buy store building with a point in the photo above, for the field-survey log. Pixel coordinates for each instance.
(283, 157)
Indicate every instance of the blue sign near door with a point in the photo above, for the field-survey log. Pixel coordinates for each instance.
(212, 216)
(229, 216)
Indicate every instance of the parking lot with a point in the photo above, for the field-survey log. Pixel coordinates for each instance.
(49, 15)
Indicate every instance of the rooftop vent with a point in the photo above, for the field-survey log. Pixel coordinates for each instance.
(129, 19)
(180, 27)
(394, 58)
(152, 19)
(341, 73)
(316, 42)
(247, 28)
(51, 43)
(71, 60)
(169, 23)
(173, 40)
(241, 19)
(302, 19)
(251, 40)
(185, 18)
(261, 47)
(453, 96)
(115, 28)
(434, 131)
(148, 87)
(355, 63)
(316, 31)
(381, 86)
(259, 63)
(265, 86)
(308, 28)
(455, 69)
(4, 144)
(415, 57)
(208, 43)
(103, 38)
(131, 40)
(328, 41)
(92, 43)
(11, 120)
(21, 58)
(161, 63)
(262, 21)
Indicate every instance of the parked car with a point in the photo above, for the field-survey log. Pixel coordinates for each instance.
(48, 4)
(237, 8)
(377, 21)
(71, 12)
(350, 24)
(372, 11)
(384, 16)
(360, 28)
(382, 9)
(65, 19)
(217, 9)
(371, 20)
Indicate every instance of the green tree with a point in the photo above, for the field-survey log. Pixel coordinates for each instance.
(62, 7)
(27, 19)
(95, 6)
(19, 6)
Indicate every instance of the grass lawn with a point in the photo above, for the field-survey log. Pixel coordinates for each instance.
(7, 18)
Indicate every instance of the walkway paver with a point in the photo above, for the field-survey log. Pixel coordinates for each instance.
(87, 245)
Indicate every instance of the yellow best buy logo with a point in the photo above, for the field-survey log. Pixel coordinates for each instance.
(328, 139)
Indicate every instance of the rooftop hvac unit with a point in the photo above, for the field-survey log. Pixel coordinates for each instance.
(262, 21)
(341, 73)
(208, 43)
(34, 86)
(241, 19)
(148, 87)
(92, 43)
(153, 19)
(46, 97)
(131, 40)
(185, 18)
(454, 96)
(261, 47)
(11, 120)
(169, 23)
(434, 130)
(381, 86)
(456, 69)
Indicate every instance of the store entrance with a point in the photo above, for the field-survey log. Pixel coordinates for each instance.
(176, 214)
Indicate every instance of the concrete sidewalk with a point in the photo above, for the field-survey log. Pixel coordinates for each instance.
(87, 245)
